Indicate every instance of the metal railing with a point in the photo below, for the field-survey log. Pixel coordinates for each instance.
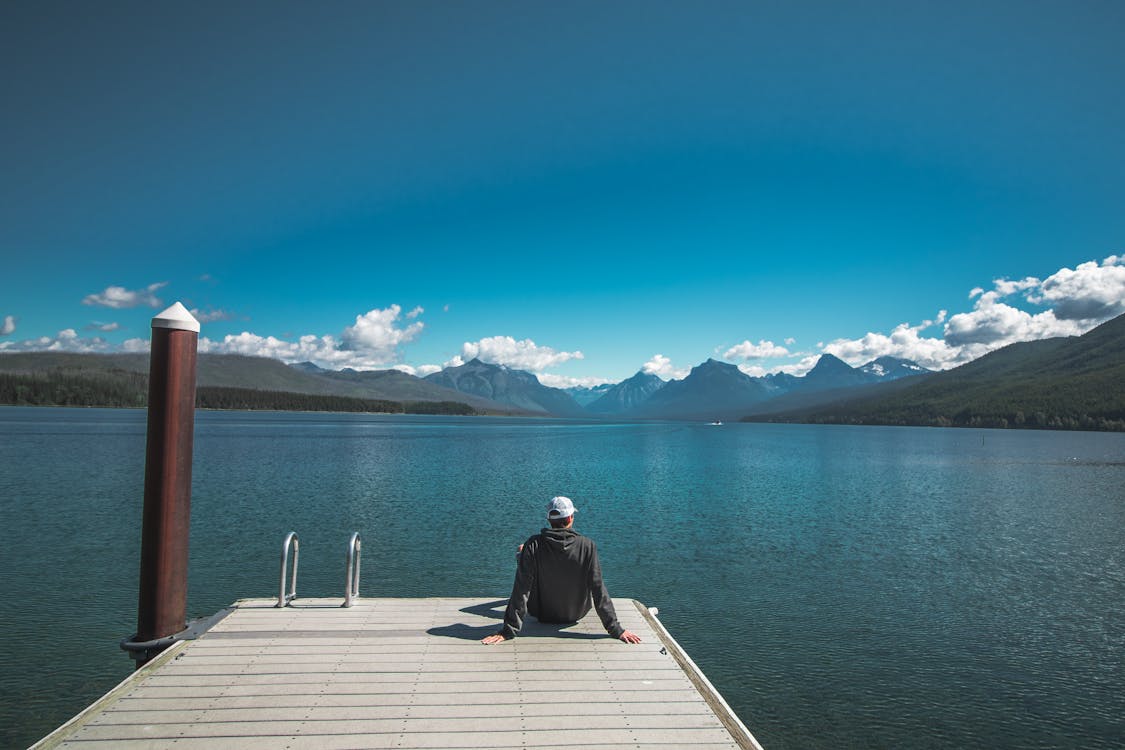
(351, 584)
(291, 541)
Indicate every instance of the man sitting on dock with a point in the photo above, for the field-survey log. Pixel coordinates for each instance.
(557, 578)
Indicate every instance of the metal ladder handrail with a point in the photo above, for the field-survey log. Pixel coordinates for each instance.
(351, 582)
(291, 541)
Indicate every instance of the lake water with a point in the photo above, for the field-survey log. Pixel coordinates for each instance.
(841, 586)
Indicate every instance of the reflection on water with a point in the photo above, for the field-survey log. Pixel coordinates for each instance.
(854, 587)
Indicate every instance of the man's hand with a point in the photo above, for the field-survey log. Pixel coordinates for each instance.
(494, 638)
(630, 637)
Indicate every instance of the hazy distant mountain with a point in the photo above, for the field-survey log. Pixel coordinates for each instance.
(516, 388)
(627, 394)
(719, 390)
(781, 382)
(1076, 382)
(892, 368)
(712, 390)
(831, 380)
(831, 372)
(586, 395)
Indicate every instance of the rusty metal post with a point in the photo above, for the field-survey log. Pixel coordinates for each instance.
(162, 604)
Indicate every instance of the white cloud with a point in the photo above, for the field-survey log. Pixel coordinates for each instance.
(8, 327)
(119, 297)
(375, 335)
(762, 350)
(67, 340)
(415, 312)
(806, 362)
(1076, 300)
(103, 327)
(799, 368)
(661, 366)
(1089, 292)
(993, 324)
(754, 371)
(420, 371)
(1006, 288)
(136, 345)
(323, 350)
(369, 344)
(564, 381)
(519, 355)
(790, 341)
(904, 342)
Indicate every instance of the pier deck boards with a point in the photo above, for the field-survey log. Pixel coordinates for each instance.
(410, 673)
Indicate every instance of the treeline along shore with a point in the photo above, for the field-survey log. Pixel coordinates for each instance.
(995, 415)
(125, 389)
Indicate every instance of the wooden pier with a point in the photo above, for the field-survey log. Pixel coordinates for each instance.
(410, 673)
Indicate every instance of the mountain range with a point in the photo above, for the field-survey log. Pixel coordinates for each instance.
(1066, 382)
(716, 390)
(712, 390)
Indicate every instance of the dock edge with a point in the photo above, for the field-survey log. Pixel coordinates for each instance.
(57, 737)
(714, 699)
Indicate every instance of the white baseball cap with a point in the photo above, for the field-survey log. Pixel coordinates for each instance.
(560, 507)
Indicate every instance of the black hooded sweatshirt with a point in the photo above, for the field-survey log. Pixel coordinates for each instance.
(557, 577)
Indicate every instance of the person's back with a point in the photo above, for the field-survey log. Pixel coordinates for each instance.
(558, 578)
(565, 575)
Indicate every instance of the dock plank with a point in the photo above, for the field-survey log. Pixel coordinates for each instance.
(411, 673)
(143, 713)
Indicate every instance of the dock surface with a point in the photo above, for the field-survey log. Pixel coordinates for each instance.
(410, 673)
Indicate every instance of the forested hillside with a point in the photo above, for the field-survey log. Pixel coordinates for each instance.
(1075, 383)
(122, 388)
(256, 373)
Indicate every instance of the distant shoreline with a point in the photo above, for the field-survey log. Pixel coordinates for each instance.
(823, 422)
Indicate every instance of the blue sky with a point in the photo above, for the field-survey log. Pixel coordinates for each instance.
(579, 189)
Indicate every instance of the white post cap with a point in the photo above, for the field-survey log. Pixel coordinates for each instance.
(176, 317)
